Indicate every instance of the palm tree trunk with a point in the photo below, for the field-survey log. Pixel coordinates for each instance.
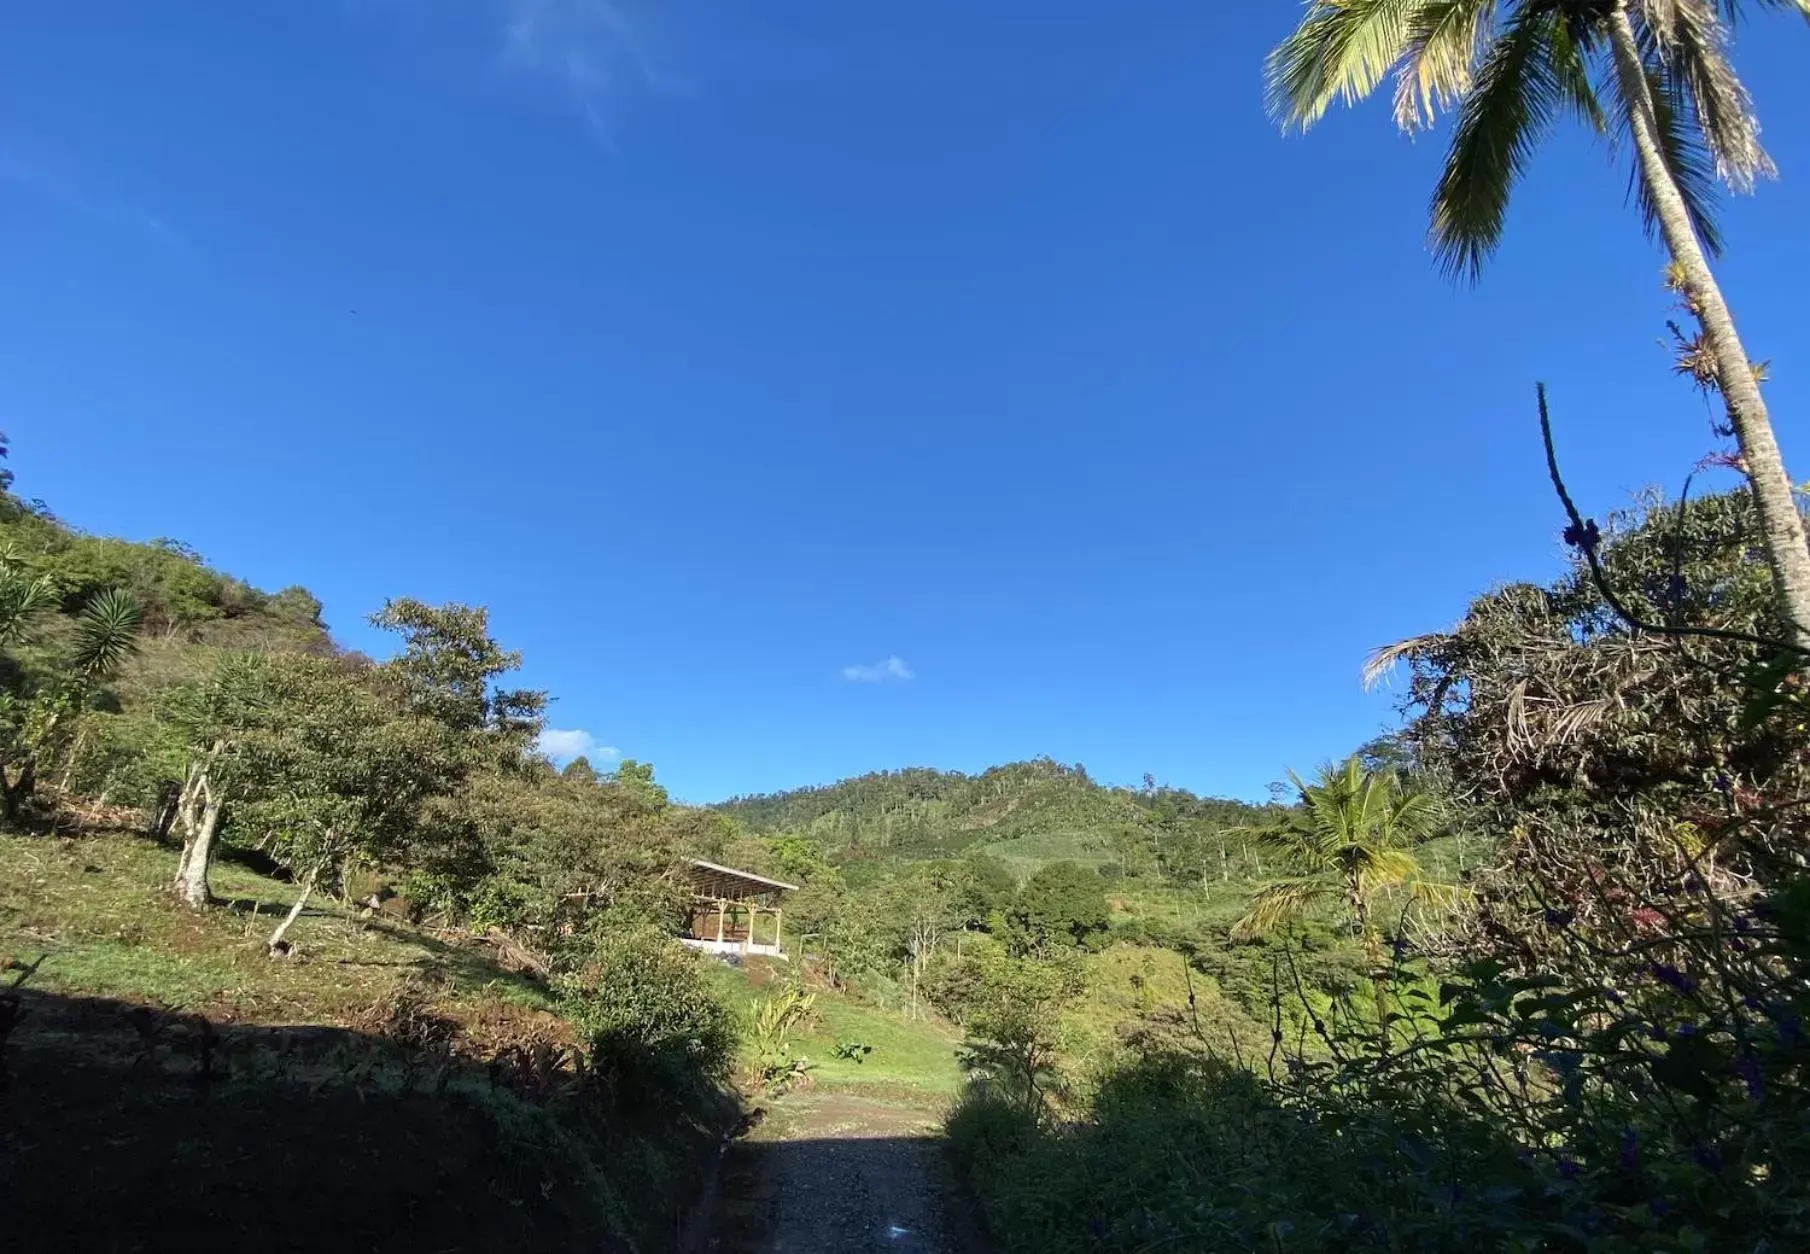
(1781, 527)
(1373, 953)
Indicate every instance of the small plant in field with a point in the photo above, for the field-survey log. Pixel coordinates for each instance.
(771, 1025)
(853, 1051)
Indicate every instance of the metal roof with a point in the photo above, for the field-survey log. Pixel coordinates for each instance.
(715, 878)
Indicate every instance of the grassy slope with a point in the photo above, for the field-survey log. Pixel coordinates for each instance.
(910, 1056)
(317, 1077)
(95, 909)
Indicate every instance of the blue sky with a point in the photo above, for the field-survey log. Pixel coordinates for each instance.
(811, 388)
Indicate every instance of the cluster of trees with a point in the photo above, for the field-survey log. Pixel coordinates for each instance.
(133, 675)
(1150, 832)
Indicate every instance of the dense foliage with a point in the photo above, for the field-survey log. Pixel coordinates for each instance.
(135, 678)
(1606, 1054)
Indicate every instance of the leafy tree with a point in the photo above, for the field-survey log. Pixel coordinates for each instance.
(447, 671)
(338, 773)
(1063, 903)
(556, 860)
(918, 911)
(1351, 839)
(1013, 1023)
(637, 779)
(1655, 69)
(214, 718)
(798, 857)
(580, 771)
(983, 888)
(1609, 752)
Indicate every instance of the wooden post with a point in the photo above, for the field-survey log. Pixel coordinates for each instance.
(779, 916)
(720, 906)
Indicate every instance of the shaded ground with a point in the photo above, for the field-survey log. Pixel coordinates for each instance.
(123, 1130)
(833, 1172)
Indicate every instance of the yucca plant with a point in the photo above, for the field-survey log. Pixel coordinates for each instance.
(1655, 72)
(106, 634)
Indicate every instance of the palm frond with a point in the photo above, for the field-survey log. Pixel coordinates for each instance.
(1340, 51)
(106, 634)
(1730, 10)
(1572, 721)
(1686, 156)
(1439, 896)
(1281, 901)
(1385, 868)
(1387, 657)
(1704, 87)
(1533, 70)
(1444, 42)
(1414, 817)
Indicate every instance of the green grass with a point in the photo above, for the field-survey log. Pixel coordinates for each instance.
(909, 1056)
(1024, 854)
(95, 909)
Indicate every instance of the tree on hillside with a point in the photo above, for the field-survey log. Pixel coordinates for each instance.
(984, 888)
(342, 775)
(447, 671)
(557, 861)
(919, 909)
(1013, 1021)
(798, 857)
(1655, 70)
(579, 770)
(1350, 840)
(1062, 904)
(637, 779)
(213, 718)
(38, 706)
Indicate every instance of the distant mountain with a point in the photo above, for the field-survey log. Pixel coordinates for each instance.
(1026, 813)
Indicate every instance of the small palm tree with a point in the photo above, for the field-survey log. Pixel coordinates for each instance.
(1655, 70)
(1350, 840)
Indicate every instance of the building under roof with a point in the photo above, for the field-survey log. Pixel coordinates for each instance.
(728, 907)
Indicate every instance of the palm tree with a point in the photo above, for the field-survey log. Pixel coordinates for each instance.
(1349, 840)
(1509, 68)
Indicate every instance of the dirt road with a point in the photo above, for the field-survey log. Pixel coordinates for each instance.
(831, 1173)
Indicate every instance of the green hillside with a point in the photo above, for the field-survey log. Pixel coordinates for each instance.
(1026, 814)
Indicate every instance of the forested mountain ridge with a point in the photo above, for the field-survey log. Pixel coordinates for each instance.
(1026, 813)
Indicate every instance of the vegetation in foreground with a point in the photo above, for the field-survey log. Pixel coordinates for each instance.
(1602, 1051)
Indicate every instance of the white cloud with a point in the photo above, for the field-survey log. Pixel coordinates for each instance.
(892, 670)
(586, 49)
(563, 746)
(112, 214)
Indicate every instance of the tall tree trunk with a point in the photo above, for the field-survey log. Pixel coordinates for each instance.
(200, 853)
(197, 808)
(274, 945)
(1781, 527)
(1373, 953)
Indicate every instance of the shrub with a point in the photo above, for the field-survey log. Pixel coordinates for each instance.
(652, 1024)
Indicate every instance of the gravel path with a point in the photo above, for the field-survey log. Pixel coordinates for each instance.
(838, 1174)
